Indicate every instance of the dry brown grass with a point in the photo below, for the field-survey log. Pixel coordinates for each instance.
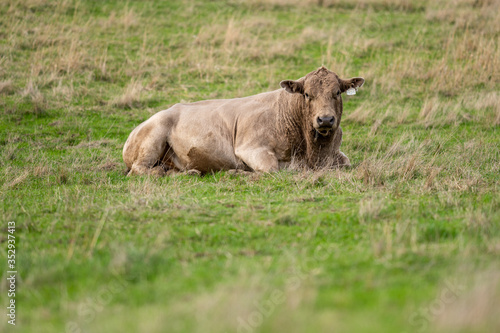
(473, 107)
(363, 4)
(431, 168)
(33, 94)
(131, 97)
(17, 180)
(222, 48)
(482, 108)
(6, 87)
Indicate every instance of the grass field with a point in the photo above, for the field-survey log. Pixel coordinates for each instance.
(406, 240)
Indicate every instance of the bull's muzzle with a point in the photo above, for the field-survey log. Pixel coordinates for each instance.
(325, 125)
(326, 121)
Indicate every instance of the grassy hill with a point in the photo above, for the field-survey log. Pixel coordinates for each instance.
(406, 240)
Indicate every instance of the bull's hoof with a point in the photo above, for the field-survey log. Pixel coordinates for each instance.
(143, 170)
(193, 172)
(171, 172)
(233, 172)
(158, 171)
(343, 161)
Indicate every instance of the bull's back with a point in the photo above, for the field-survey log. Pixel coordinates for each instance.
(198, 135)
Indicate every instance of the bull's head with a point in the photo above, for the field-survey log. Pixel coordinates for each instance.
(321, 91)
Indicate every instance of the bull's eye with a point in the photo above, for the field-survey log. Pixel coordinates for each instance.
(338, 93)
(307, 95)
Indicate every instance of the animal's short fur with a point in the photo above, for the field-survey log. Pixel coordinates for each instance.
(256, 133)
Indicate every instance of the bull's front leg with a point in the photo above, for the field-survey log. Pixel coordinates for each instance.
(339, 158)
(258, 159)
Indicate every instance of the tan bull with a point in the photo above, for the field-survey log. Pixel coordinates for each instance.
(256, 133)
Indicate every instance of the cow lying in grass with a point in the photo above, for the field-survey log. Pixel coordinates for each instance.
(256, 133)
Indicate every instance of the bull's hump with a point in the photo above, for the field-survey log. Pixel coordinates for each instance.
(262, 97)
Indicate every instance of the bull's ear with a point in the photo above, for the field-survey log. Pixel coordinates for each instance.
(355, 82)
(293, 87)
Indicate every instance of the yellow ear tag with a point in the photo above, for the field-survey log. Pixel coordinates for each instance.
(351, 91)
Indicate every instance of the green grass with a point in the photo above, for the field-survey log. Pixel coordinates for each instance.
(406, 240)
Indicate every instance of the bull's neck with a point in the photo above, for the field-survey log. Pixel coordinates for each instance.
(290, 121)
(295, 127)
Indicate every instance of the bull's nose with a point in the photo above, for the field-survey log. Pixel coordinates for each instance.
(326, 121)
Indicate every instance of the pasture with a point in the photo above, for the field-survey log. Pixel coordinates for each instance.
(405, 240)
